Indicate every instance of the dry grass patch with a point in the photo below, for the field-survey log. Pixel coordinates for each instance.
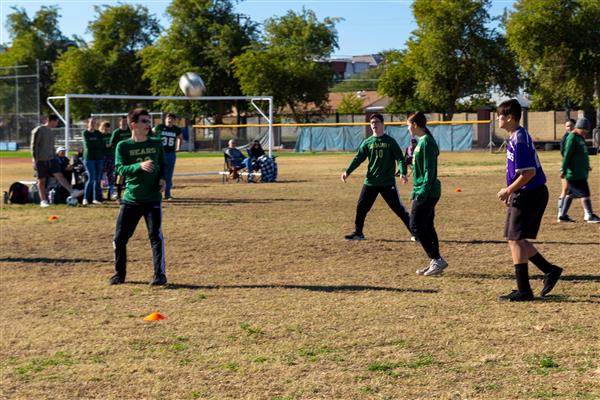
(267, 301)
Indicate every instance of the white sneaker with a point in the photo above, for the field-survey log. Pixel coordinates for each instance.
(113, 196)
(437, 267)
(44, 204)
(96, 202)
(592, 219)
(76, 192)
(421, 271)
(85, 202)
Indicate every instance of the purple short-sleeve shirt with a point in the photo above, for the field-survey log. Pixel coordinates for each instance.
(521, 156)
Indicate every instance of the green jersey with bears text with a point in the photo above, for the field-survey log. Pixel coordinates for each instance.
(141, 186)
(425, 181)
(383, 152)
(118, 136)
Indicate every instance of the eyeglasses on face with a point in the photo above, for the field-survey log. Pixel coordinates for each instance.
(144, 121)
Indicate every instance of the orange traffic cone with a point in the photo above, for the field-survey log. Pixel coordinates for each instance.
(458, 190)
(155, 316)
(53, 218)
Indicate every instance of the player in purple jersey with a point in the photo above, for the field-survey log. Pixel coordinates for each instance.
(526, 197)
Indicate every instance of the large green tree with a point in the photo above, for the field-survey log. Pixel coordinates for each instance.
(33, 40)
(204, 37)
(288, 63)
(557, 43)
(111, 63)
(454, 54)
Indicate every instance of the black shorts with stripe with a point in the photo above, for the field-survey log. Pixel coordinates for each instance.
(578, 188)
(45, 169)
(525, 212)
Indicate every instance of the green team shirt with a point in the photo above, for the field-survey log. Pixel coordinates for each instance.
(576, 161)
(118, 136)
(168, 135)
(140, 186)
(383, 152)
(425, 181)
(93, 145)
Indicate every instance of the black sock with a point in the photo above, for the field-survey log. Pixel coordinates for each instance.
(566, 205)
(522, 275)
(119, 189)
(539, 261)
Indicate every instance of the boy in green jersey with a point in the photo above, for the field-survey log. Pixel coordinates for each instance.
(170, 135)
(121, 133)
(575, 169)
(140, 160)
(383, 153)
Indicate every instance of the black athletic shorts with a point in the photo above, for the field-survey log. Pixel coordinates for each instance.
(45, 169)
(525, 213)
(579, 188)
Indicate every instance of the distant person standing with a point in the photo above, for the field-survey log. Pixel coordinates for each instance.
(426, 193)
(140, 160)
(526, 197)
(109, 159)
(569, 125)
(121, 133)
(170, 135)
(44, 159)
(93, 159)
(383, 153)
(575, 170)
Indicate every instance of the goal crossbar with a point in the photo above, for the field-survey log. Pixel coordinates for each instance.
(67, 112)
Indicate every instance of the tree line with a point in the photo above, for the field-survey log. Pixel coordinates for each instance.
(453, 61)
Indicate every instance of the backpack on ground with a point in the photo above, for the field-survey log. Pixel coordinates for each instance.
(18, 193)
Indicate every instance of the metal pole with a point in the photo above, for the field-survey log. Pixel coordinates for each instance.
(270, 127)
(37, 65)
(17, 101)
(67, 124)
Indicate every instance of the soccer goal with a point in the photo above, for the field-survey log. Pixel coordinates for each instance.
(65, 116)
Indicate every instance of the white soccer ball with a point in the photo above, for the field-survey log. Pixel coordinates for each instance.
(191, 84)
(72, 201)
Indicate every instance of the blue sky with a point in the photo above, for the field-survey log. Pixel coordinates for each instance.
(369, 26)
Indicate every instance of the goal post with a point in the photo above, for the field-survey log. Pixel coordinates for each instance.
(65, 117)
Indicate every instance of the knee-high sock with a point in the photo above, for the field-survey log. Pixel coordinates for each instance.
(522, 275)
(587, 207)
(560, 204)
(566, 205)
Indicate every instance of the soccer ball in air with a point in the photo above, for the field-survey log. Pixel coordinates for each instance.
(72, 201)
(191, 84)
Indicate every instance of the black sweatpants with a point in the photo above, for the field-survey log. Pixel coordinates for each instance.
(129, 216)
(421, 224)
(367, 197)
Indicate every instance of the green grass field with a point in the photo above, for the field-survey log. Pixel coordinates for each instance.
(268, 301)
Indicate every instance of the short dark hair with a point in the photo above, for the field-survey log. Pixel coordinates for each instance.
(571, 120)
(170, 115)
(376, 115)
(134, 115)
(510, 107)
(52, 117)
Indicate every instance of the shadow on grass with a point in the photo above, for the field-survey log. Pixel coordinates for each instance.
(227, 202)
(314, 288)
(571, 278)
(477, 241)
(565, 299)
(46, 260)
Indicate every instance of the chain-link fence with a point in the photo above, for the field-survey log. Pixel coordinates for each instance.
(19, 103)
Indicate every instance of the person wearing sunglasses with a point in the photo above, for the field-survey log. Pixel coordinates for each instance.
(141, 161)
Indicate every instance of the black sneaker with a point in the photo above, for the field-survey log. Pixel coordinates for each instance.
(116, 279)
(159, 280)
(516, 295)
(355, 236)
(550, 280)
(565, 218)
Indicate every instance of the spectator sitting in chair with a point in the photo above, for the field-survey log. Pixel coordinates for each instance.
(235, 159)
(254, 152)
